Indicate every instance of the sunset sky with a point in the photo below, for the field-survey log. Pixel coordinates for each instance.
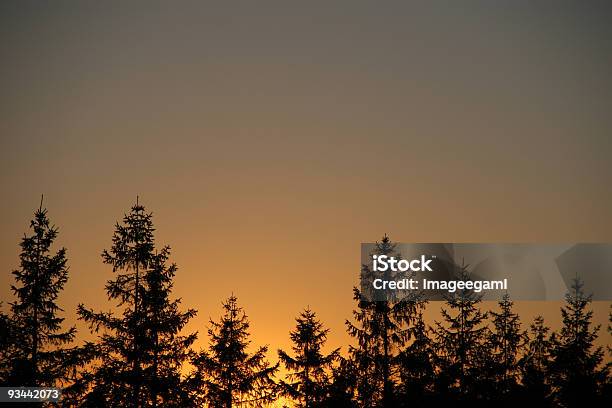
(270, 141)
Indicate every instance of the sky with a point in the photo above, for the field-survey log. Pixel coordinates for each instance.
(271, 139)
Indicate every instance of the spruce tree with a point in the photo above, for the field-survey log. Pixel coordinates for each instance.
(37, 352)
(506, 341)
(607, 390)
(417, 366)
(380, 329)
(534, 365)
(461, 345)
(343, 386)
(164, 349)
(130, 255)
(138, 357)
(309, 369)
(368, 381)
(5, 347)
(575, 370)
(227, 374)
(610, 329)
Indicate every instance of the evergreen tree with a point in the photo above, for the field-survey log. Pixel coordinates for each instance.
(368, 381)
(607, 390)
(506, 341)
(343, 386)
(461, 346)
(381, 331)
(139, 353)
(417, 366)
(309, 369)
(575, 369)
(35, 347)
(610, 328)
(535, 364)
(227, 375)
(130, 255)
(164, 349)
(5, 347)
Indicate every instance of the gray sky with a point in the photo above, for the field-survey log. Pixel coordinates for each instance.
(271, 139)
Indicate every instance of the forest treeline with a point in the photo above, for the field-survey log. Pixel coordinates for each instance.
(142, 356)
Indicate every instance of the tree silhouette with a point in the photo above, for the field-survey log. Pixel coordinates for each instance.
(417, 366)
(36, 353)
(164, 349)
(397, 360)
(575, 373)
(534, 365)
(506, 341)
(226, 374)
(6, 340)
(343, 386)
(139, 353)
(381, 331)
(132, 251)
(610, 328)
(607, 390)
(461, 345)
(309, 368)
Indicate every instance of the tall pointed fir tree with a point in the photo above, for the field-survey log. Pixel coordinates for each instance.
(381, 330)
(607, 391)
(343, 384)
(506, 342)
(417, 370)
(37, 355)
(164, 349)
(610, 329)
(227, 374)
(575, 371)
(5, 347)
(310, 370)
(461, 351)
(139, 353)
(534, 366)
